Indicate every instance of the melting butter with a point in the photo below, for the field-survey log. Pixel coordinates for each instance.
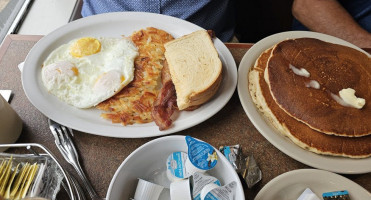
(348, 95)
(348, 98)
(313, 84)
(300, 72)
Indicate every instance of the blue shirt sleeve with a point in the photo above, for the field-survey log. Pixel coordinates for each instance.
(216, 15)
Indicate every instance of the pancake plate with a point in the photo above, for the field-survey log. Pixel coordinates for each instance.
(334, 67)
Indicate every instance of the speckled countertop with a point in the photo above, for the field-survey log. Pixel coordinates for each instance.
(101, 156)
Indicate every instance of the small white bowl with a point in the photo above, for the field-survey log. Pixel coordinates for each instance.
(151, 157)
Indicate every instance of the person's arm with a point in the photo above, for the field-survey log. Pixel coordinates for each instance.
(329, 17)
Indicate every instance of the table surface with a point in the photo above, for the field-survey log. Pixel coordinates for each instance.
(101, 156)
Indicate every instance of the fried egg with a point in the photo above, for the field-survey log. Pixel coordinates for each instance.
(87, 71)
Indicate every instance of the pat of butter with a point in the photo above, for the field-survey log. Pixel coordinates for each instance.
(300, 72)
(349, 97)
(313, 84)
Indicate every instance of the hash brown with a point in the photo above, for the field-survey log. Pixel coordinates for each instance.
(134, 103)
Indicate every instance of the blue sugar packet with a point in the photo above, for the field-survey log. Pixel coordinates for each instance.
(336, 195)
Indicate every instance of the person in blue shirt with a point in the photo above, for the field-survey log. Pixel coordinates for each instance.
(346, 19)
(216, 15)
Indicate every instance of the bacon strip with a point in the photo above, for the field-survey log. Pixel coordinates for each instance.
(165, 104)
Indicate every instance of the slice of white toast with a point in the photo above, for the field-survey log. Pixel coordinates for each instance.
(195, 68)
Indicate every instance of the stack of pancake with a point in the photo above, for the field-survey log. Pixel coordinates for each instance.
(296, 83)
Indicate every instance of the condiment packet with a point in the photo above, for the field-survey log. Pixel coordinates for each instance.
(251, 173)
(213, 191)
(233, 155)
(28, 175)
(147, 191)
(245, 166)
(336, 195)
(201, 156)
(175, 165)
(199, 181)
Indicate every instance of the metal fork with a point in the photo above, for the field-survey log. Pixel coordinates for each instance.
(68, 150)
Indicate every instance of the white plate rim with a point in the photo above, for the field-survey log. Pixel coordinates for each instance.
(172, 138)
(65, 33)
(330, 163)
(295, 176)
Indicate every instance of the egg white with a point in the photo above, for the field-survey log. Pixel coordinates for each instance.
(95, 78)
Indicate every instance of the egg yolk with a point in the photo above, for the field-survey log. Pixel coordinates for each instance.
(85, 47)
(75, 71)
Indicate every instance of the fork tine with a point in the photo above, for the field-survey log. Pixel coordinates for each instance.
(69, 130)
(68, 150)
(61, 135)
(68, 139)
(55, 133)
(66, 133)
(60, 140)
(62, 144)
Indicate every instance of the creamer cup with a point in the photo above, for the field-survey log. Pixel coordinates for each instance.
(147, 190)
(165, 194)
(215, 192)
(180, 190)
(175, 166)
(199, 181)
(201, 156)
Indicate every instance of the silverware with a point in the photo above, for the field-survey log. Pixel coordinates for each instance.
(68, 150)
(78, 192)
(77, 187)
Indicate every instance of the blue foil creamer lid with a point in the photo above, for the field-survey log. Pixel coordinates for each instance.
(201, 154)
(175, 166)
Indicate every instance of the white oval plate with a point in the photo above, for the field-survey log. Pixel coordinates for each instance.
(115, 25)
(330, 163)
(291, 185)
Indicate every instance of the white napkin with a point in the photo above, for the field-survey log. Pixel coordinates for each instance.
(20, 66)
(6, 94)
(308, 195)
